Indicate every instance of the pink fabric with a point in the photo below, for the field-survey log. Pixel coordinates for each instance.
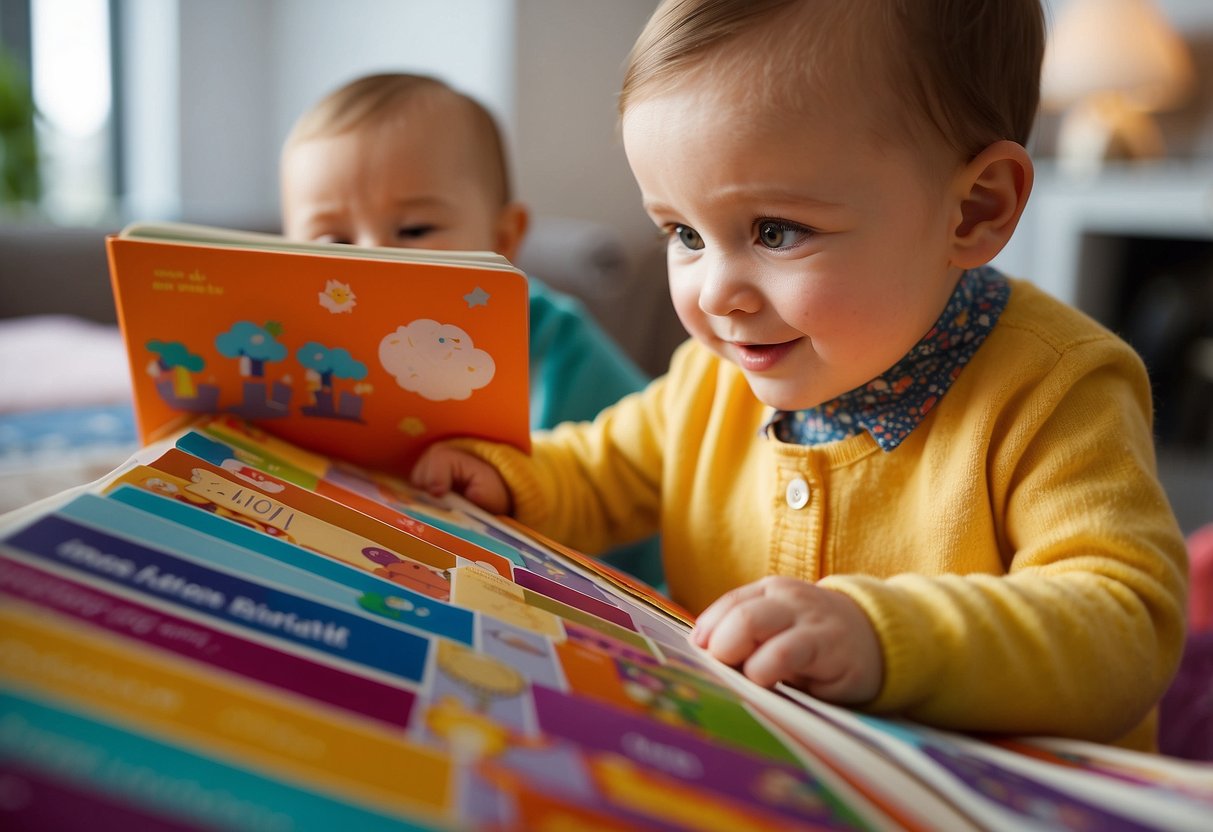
(1200, 592)
(51, 361)
(1185, 714)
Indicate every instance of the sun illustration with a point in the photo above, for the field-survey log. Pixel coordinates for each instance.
(337, 296)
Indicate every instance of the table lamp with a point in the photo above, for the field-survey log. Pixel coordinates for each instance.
(1110, 64)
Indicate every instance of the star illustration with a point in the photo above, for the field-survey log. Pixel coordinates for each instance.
(477, 297)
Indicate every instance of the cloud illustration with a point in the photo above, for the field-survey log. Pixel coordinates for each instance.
(436, 361)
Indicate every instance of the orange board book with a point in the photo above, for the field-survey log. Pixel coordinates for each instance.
(363, 354)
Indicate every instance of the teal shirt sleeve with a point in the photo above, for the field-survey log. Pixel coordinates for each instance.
(576, 369)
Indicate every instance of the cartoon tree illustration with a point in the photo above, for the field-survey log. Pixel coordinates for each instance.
(325, 364)
(172, 371)
(253, 345)
(176, 354)
(329, 363)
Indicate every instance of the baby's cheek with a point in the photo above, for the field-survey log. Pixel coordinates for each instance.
(684, 294)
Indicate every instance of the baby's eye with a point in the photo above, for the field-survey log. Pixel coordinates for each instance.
(688, 236)
(777, 234)
(413, 232)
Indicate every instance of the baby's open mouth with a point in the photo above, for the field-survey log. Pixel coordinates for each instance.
(760, 357)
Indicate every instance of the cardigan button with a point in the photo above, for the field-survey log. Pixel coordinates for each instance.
(797, 494)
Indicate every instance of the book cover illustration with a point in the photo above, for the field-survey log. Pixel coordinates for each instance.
(510, 701)
(360, 357)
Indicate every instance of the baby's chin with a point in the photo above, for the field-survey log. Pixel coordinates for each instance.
(772, 388)
(778, 395)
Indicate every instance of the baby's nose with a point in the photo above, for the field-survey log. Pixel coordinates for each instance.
(725, 288)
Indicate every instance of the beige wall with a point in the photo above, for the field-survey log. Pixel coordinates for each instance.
(568, 67)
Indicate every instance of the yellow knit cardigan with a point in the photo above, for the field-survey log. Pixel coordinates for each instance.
(1016, 553)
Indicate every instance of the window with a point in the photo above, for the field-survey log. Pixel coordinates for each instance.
(64, 46)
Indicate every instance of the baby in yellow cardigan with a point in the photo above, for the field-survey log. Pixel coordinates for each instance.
(884, 472)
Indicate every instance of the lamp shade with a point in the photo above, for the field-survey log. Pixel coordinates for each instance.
(1124, 47)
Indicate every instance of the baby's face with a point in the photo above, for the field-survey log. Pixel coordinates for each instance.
(801, 249)
(393, 185)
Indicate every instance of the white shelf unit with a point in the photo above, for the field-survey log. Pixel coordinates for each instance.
(1073, 242)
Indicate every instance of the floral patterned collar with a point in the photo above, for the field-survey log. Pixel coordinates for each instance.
(890, 406)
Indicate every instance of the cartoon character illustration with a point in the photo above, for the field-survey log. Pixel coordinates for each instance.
(323, 364)
(255, 346)
(338, 297)
(172, 371)
(431, 582)
(437, 361)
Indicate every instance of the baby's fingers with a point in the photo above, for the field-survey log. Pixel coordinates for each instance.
(707, 621)
(433, 472)
(793, 655)
(745, 627)
(442, 469)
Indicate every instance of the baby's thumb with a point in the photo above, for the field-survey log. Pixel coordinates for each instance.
(430, 475)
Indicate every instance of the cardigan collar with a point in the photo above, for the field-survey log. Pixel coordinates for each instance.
(892, 405)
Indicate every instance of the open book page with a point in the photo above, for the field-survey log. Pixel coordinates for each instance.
(1001, 788)
(913, 800)
(1192, 779)
(296, 641)
(599, 569)
(292, 636)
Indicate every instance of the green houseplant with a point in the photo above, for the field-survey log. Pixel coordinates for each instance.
(20, 183)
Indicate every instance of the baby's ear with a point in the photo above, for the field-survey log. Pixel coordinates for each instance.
(993, 190)
(512, 224)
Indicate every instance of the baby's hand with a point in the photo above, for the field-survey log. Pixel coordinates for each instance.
(785, 630)
(442, 468)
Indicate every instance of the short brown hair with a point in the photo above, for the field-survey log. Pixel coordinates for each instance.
(376, 100)
(969, 69)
